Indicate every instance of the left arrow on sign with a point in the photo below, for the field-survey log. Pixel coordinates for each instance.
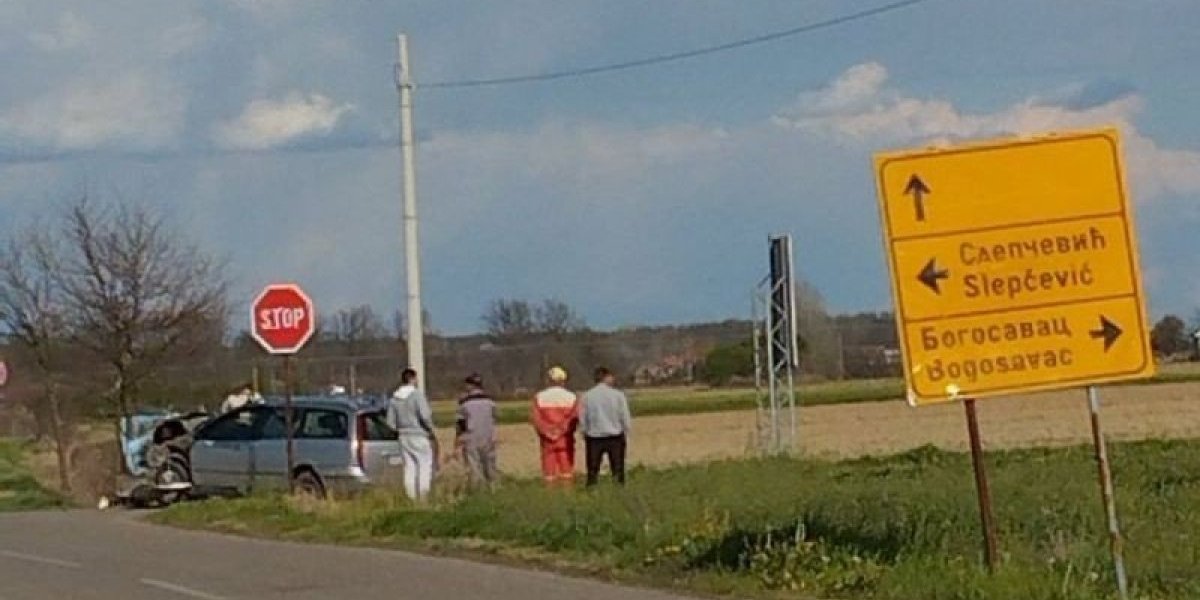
(1109, 332)
(931, 275)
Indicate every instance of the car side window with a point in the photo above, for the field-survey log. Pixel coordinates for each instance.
(272, 425)
(321, 424)
(237, 426)
(377, 428)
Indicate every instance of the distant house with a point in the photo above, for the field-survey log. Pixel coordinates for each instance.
(671, 368)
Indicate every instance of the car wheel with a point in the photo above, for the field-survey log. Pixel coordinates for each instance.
(308, 484)
(176, 471)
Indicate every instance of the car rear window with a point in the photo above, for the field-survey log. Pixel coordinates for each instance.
(377, 428)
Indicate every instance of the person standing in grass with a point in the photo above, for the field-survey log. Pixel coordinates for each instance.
(605, 423)
(410, 415)
(475, 435)
(555, 415)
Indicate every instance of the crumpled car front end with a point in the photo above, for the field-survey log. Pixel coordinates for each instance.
(155, 449)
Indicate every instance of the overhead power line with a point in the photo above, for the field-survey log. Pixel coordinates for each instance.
(666, 58)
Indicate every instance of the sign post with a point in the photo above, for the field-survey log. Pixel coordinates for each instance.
(1115, 544)
(991, 551)
(282, 320)
(1014, 269)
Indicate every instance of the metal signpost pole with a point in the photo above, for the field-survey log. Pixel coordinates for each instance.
(289, 420)
(1106, 490)
(991, 551)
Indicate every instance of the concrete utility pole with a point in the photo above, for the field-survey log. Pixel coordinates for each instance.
(412, 251)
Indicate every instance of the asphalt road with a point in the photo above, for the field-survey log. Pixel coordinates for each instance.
(88, 554)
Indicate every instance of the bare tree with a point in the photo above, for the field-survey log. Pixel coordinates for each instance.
(357, 326)
(555, 317)
(138, 293)
(33, 312)
(507, 320)
(400, 324)
(820, 345)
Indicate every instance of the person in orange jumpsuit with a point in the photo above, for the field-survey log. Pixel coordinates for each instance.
(555, 416)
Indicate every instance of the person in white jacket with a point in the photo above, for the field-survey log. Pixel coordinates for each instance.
(410, 415)
(239, 397)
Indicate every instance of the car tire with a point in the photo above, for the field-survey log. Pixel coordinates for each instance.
(175, 471)
(307, 483)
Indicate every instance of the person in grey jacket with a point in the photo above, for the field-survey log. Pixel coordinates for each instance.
(476, 433)
(410, 415)
(605, 423)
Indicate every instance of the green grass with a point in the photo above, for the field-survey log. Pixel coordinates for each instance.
(18, 488)
(900, 527)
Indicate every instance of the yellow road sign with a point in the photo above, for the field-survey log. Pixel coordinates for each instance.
(1014, 265)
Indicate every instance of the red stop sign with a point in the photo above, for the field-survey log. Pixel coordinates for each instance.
(282, 318)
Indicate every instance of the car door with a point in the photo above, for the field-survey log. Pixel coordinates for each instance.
(381, 459)
(221, 452)
(268, 456)
(323, 441)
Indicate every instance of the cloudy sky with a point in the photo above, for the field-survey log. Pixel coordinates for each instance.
(267, 129)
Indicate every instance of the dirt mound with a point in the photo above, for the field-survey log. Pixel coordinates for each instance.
(94, 461)
(94, 471)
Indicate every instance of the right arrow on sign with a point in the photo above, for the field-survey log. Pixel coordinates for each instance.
(1109, 332)
(931, 274)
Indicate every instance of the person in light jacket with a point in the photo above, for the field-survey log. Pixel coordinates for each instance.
(410, 415)
(605, 423)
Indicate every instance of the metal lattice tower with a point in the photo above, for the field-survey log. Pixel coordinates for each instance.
(776, 355)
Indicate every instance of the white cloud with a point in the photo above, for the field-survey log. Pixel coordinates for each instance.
(69, 33)
(266, 124)
(854, 90)
(858, 108)
(134, 111)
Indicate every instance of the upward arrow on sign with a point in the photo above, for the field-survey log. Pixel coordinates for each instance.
(917, 189)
